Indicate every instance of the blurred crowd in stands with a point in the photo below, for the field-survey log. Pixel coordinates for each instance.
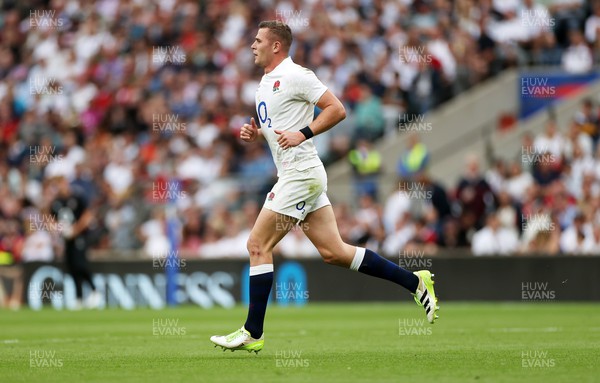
(543, 199)
(139, 105)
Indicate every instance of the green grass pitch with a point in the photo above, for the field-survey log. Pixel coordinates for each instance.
(474, 342)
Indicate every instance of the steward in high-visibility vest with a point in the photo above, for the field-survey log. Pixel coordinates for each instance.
(413, 161)
(365, 161)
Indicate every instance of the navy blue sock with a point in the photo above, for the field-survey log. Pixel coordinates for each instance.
(261, 280)
(371, 263)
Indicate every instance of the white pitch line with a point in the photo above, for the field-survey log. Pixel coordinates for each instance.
(93, 339)
(526, 329)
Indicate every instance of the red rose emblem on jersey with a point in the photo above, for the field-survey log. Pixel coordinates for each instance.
(271, 196)
(276, 86)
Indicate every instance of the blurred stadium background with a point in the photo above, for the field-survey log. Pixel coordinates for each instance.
(472, 131)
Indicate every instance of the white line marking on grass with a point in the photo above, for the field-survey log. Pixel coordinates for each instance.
(526, 329)
(94, 339)
(9, 341)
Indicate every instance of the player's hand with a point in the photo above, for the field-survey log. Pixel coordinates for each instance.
(289, 139)
(249, 132)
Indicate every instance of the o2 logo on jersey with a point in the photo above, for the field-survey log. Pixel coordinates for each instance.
(300, 206)
(263, 116)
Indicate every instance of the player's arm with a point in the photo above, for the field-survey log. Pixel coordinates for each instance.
(333, 111)
(84, 221)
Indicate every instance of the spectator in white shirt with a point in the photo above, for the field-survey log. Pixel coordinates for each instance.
(493, 239)
(118, 174)
(396, 206)
(591, 243)
(505, 7)
(38, 246)
(518, 182)
(296, 245)
(592, 25)
(153, 233)
(572, 238)
(577, 138)
(535, 18)
(231, 245)
(577, 58)
(400, 237)
(551, 141)
(580, 165)
(438, 47)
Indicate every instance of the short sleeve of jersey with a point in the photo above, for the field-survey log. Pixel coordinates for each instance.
(310, 88)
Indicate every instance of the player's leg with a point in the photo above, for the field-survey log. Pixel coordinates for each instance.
(80, 267)
(78, 288)
(73, 270)
(93, 300)
(265, 234)
(321, 228)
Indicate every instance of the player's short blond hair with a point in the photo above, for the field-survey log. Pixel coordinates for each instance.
(281, 31)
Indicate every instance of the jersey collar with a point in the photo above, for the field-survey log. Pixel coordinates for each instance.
(285, 62)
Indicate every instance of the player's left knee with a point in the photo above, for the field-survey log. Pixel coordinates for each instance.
(330, 256)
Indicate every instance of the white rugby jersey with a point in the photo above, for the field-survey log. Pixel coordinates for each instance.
(285, 100)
